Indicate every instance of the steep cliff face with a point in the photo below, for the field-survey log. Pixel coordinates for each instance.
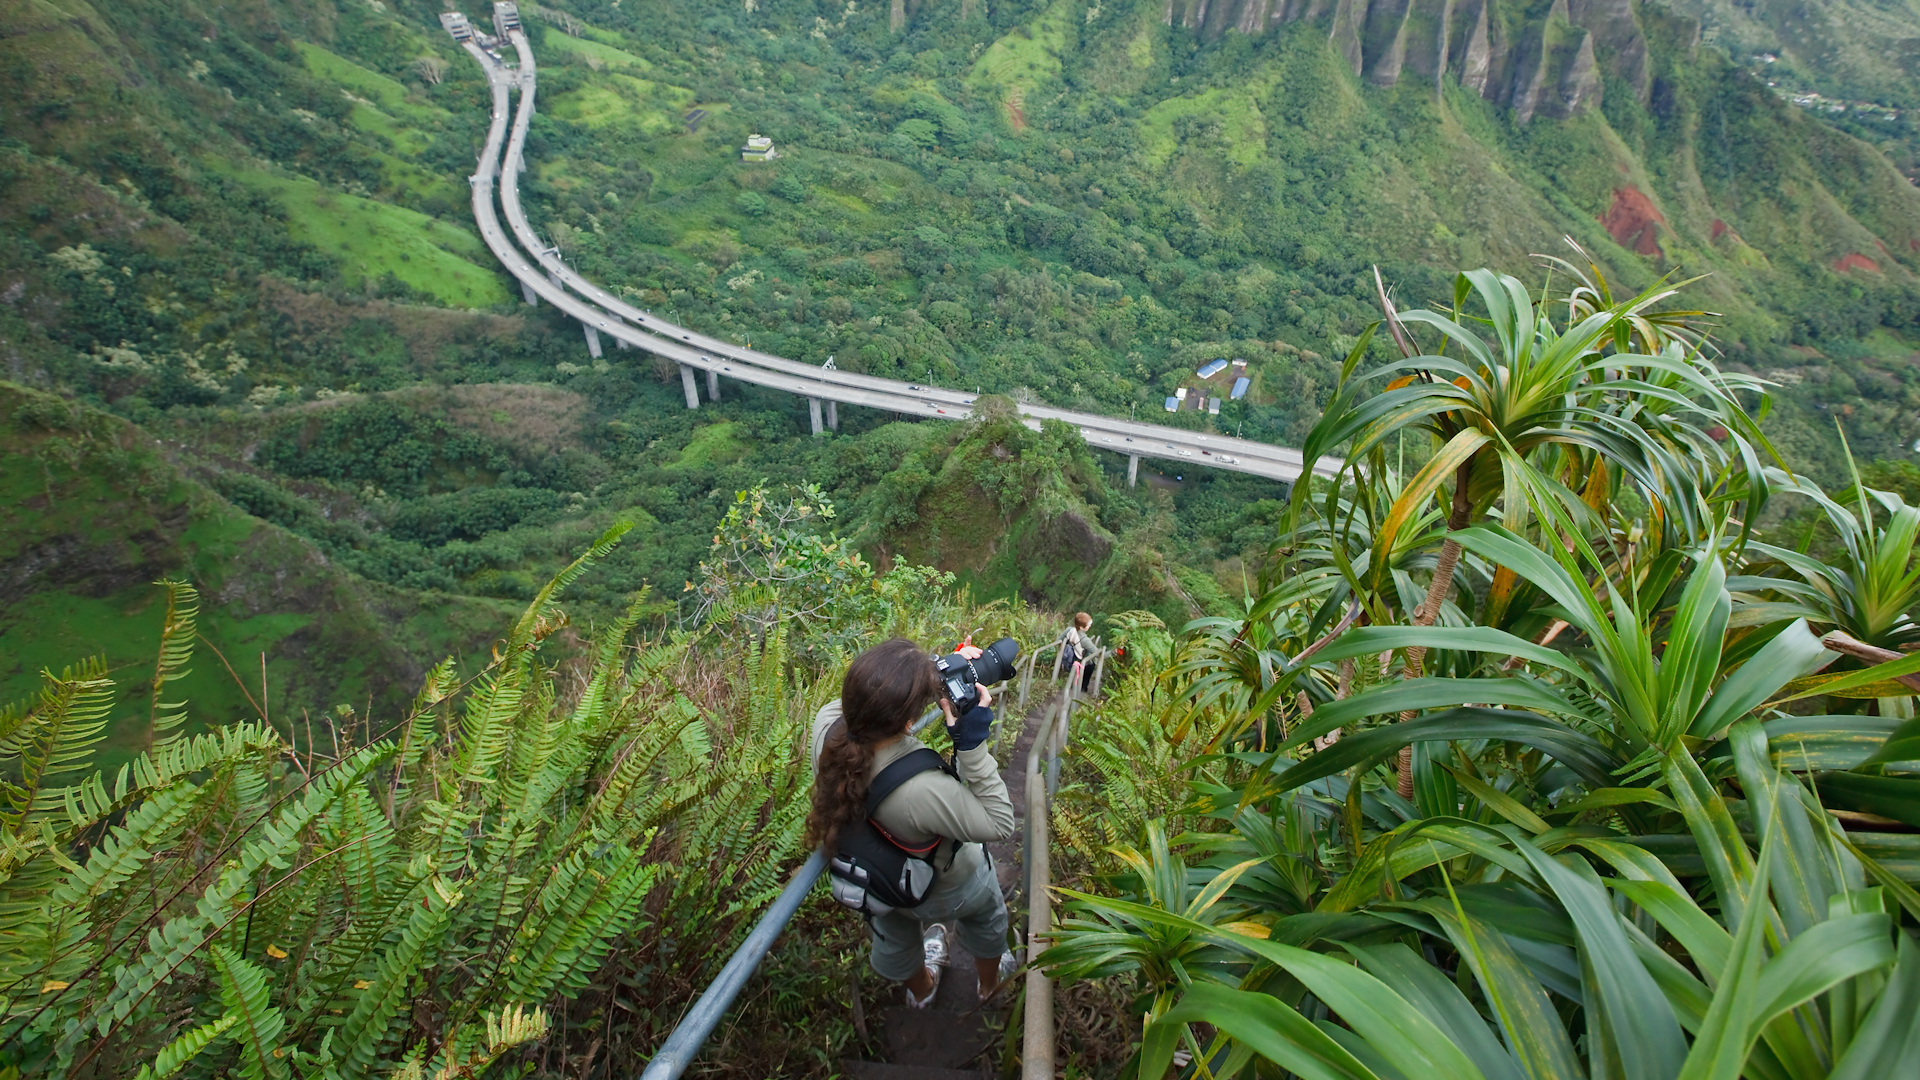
(1540, 61)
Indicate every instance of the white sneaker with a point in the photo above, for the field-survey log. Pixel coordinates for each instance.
(934, 951)
(934, 946)
(1009, 964)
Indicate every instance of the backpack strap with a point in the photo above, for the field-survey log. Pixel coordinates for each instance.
(908, 766)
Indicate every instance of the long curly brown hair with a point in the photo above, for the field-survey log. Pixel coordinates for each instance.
(884, 688)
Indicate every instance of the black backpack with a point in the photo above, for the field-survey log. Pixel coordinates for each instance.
(874, 873)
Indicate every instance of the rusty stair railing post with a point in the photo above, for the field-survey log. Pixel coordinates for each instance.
(1036, 1051)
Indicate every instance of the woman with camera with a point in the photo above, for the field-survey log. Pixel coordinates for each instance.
(948, 814)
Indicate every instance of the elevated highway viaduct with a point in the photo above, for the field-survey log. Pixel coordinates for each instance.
(543, 276)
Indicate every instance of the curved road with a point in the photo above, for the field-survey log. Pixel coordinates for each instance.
(608, 314)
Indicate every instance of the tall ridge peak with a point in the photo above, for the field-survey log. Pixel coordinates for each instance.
(1540, 64)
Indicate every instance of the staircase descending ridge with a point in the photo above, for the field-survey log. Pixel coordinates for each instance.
(958, 1037)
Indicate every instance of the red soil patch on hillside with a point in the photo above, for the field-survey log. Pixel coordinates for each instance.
(1855, 261)
(1633, 221)
(1719, 228)
(1016, 111)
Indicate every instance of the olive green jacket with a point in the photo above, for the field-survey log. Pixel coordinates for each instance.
(963, 812)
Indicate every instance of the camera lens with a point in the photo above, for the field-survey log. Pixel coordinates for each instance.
(995, 664)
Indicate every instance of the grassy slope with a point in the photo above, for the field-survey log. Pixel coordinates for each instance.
(1258, 177)
(372, 239)
(1272, 146)
(100, 513)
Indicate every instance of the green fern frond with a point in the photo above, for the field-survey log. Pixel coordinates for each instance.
(350, 955)
(588, 902)
(53, 739)
(178, 940)
(364, 1032)
(177, 1053)
(607, 666)
(487, 729)
(152, 826)
(359, 831)
(439, 683)
(177, 633)
(182, 757)
(539, 614)
(244, 991)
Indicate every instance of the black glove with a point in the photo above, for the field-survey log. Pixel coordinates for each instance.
(972, 729)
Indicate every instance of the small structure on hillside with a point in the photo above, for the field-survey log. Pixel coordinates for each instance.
(1211, 368)
(758, 148)
(1240, 388)
(1173, 404)
(1213, 406)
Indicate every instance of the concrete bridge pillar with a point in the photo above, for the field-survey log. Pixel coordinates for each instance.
(713, 385)
(526, 290)
(1133, 469)
(813, 413)
(687, 384)
(833, 416)
(622, 344)
(593, 340)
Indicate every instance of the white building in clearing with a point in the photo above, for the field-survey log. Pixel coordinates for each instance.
(758, 148)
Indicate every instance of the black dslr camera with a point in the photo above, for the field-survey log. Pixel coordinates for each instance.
(963, 677)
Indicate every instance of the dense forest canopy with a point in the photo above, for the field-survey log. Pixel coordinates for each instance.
(243, 230)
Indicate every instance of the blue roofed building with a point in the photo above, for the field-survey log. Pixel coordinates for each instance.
(1211, 368)
(1240, 388)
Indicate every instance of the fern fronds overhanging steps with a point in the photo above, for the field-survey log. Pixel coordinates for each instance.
(959, 1037)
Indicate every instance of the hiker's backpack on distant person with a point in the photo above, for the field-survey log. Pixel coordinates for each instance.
(874, 872)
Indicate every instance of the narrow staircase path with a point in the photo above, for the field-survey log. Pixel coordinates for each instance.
(959, 1038)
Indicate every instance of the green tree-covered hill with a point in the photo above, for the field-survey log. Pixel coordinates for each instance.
(243, 228)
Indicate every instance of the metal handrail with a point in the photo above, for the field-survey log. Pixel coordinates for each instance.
(678, 1051)
(1037, 1052)
(1037, 1035)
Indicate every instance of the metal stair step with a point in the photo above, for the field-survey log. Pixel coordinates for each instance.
(939, 1038)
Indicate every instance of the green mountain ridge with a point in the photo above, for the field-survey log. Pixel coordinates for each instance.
(99, 512)
(243, 229)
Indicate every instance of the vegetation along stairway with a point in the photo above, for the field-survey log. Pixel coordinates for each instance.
(961, 1036)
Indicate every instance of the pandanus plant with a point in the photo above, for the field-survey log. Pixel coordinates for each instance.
(1870, 591)
(1581, 952)
(1523, 410)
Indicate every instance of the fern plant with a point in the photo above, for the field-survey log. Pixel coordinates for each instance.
(428, 903)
